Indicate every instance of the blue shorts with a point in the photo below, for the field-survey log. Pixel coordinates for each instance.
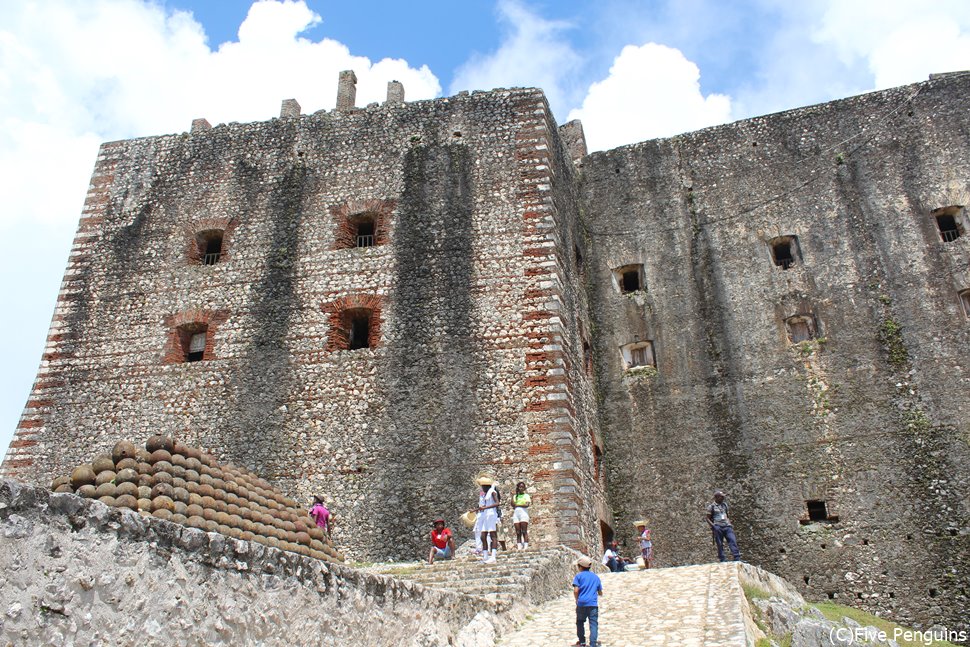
(444, 553)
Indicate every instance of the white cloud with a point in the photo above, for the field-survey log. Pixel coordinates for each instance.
(533, 54)
(74, 74)
(651, 91)
(900, 42)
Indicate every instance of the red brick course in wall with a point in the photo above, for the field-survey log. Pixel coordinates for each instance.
(58, 352)
(552, 433)
(347, 215)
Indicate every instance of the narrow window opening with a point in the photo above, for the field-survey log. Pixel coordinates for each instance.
(934, 593)
(631, 281)
(639, 354)
(807, 579)
(191, 341)
(629, 278)
(359, 330)
(951, 221)
(587, 357)
(213, 250)
(948, 228)
(965, 300)
(817, 511)
(783, 256)
(784, 251)
(801, 328)
(597, 462)
(832, 595)
(196, 348)
(208, 245)
(365, 233)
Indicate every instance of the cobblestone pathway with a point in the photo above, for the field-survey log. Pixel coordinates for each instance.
(684, 607)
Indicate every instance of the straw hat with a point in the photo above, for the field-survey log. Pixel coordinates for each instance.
(640, 522)
(469, 519)
(485, 479)
(584, 561)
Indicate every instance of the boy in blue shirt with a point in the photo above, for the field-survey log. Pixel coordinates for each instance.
(586, 589)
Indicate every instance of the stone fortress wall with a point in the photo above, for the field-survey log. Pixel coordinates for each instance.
(622, 330)
(869, 416)
(470, 364)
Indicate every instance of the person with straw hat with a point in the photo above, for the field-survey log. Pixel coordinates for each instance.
(488, 502)
(646, 545)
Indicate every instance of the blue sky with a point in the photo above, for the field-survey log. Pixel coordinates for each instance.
(75, 74)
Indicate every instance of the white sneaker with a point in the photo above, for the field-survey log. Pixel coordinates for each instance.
(490, 559)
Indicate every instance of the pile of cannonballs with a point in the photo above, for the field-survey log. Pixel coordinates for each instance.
(185, 485)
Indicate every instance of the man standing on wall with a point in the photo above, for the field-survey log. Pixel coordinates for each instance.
(717, 519)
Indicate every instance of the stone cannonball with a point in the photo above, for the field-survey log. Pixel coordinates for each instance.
(161, 464)
(106, 489)
(88, 491)
(157, 442)
(162, 477)
(59, 481)
(126, 501)
(123, 449)
(82, 475)
(163, 490)
(126, 489)
(102, 463)
(126, 463)
(126, 475)
(107, 500)
(161, 513)
(108, 476)
(162, 503)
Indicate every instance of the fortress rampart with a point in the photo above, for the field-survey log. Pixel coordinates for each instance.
(380, 303)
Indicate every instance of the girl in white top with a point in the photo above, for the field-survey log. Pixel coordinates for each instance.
(488, 502)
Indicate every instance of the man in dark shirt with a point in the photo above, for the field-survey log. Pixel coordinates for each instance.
(717, 519)
(586, 589)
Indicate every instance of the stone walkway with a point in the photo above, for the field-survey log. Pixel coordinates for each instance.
(684, 607)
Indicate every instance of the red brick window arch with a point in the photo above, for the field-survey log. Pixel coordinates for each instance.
(355, 322)
(192, 336)
(362, 223)
(208, 241)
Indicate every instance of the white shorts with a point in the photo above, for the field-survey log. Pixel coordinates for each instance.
(487, 519)
(521, 515)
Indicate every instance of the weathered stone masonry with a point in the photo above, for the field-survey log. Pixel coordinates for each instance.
(467, 365)
(791, 328)
(869, 418)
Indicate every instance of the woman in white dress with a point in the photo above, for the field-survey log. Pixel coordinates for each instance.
(488, 502)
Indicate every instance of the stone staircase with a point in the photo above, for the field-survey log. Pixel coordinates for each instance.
(687, 606)
(528, 577)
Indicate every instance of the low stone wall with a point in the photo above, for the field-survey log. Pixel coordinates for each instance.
(75, 571)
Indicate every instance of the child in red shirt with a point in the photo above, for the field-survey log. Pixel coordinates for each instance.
(442, 542)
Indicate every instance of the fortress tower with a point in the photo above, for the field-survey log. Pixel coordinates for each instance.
(380, 303)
